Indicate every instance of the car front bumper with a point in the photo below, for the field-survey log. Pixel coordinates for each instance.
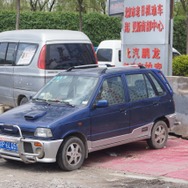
(30, 150)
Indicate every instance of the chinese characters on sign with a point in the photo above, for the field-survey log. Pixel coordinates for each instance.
(144, 53)
(144, 10)
(145, 33)
(142, 25)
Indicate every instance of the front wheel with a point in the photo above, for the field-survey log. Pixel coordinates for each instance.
(23, 101)
(71, 154)
(159, 135)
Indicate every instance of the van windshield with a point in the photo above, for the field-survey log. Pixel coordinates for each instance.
(66, 55)
(68, 89)
(104, 55)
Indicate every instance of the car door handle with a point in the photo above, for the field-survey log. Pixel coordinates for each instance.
(123, 110)
(155, 104)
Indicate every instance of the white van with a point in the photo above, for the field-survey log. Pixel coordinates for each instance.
(109, 52)
(29, 58)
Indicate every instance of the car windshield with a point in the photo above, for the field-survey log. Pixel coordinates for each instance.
(68, 89)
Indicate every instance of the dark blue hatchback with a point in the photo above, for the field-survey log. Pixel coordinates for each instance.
(83, 110)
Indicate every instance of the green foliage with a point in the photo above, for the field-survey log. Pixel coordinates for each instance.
(179, 34)
(101, 27)
(180, 65)
(98, 27)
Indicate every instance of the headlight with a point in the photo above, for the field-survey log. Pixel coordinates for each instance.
(43, 132)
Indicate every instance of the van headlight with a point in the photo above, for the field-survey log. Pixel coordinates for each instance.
(43, 132)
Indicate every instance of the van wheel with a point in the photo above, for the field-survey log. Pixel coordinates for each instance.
(71, 154)
(159, 135)
(23, 101)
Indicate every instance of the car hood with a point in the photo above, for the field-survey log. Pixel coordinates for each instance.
(37, 114)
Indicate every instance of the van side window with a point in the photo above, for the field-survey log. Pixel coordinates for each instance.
(160, 90)
(112, 91)
(3, 49)
(139, 87)
(25, 53)
(10, 56)
(64, 56)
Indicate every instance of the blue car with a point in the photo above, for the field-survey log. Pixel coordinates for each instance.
(85, 109)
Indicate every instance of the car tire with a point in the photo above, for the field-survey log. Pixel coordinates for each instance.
(159, 135)
(23, 101)
(71, 154)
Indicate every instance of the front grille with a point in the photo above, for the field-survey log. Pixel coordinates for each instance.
(13, 131)
(9, 131)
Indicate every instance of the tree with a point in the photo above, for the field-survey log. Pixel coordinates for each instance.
(42, 5)
(184, 4)
(82, 7)
(17, 14)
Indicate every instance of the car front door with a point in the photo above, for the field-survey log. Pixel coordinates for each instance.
(7, 57)
(109, 124)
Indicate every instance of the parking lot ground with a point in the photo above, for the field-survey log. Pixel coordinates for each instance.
(128, 166)
(169, 162)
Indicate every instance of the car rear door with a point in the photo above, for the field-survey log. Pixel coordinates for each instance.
(7, 58)
(144, 102)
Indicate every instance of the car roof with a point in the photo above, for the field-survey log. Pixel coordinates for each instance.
(104, 70)
(43, 35)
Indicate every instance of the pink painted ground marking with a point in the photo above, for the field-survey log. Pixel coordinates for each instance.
(171, 161)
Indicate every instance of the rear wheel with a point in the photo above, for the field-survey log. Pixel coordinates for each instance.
(159, 135)
(71, 154)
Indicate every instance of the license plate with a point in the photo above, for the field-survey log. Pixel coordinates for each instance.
(10, 146)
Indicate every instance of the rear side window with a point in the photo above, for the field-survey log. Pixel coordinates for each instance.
(64, 56)
(25, 53)
(7, 53)
(104, 55)
(160, 90)
(139, 87)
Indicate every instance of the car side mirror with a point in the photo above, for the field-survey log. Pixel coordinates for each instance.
(101, 104)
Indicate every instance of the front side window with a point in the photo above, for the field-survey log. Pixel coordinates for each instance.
(68, 89)
(64, 56)
(7, 53)
(104, 55)
(3, 49)
(139, 87)
(25, 53)
(112, 91)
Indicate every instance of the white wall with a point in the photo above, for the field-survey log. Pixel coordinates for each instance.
(180, 88)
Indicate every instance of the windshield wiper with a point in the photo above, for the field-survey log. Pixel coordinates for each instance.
(68, 103)
(53, 100)
(60, 101)
(39, 99)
